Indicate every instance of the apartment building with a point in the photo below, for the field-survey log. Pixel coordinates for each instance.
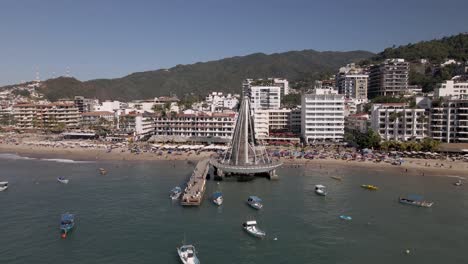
(397, 121)
(204, 126)
(85, 104)
(352, 82)
(276, 120)
(357, 122)
(455, 88)
(265, 97)
(93, 118)
(46, 116)
(388, 78)
(322, 116)
(449, 121)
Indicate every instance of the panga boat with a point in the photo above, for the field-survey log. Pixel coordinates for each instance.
(458, 183)
(251, 228)
(175, 193)
(336, 178)
(255, 202)
(370, 187)
(320, 190)
(218, 198)
(188, 255)
(3, 186)
(102, 171)
(62, 180)
(416, 201)
(346, 217)
(67, 222)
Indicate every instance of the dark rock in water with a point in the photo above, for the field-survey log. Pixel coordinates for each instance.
(208, 176)
(217, 178)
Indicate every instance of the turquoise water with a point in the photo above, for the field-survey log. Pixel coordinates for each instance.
(127, 216)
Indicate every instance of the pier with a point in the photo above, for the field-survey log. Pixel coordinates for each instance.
(193, 193)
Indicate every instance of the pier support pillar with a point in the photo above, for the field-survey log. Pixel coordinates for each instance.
(273, 176)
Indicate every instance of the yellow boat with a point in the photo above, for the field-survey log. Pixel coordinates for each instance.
(369, 187)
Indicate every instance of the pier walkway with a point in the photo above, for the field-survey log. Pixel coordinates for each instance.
(193, 193)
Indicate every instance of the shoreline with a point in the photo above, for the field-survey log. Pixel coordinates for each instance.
(411, 166)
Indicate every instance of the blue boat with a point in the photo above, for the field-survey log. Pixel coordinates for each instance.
(255, 202)
(67, 222)
(346, 217)
(218, 198)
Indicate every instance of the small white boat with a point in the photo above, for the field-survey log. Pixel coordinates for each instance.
(188, 255)
(218, 198)
(458, 183)
(320, 190)
(63, 180)
(3, 186)
(175, 193)
(255, 202)
(251, 228)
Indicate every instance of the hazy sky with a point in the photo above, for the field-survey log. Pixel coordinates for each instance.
(112, 38)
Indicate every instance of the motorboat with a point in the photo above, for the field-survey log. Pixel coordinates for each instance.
(416, 201)
(188, 254)
(102, 171)
(175, 193)
(63, 180)
(255, 202)
(346, 217)
(67, 223)
(3, 186)
(370, 187)
(251, 228)
(218, 198)
(320, 190)
(458, 183)
(336, 178)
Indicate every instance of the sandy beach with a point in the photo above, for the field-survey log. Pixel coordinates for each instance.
(422, 167)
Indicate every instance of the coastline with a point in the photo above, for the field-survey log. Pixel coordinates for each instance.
(421, 167)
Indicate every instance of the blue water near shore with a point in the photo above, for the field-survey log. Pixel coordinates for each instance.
(126, 216)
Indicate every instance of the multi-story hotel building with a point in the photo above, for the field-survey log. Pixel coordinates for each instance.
(388, 78)
(454, 88)
(397, 121)
(265, 97)
(46, 116)
(449, 121)
(322, 116)
(276, 120)
(352, 82)
(92, 118)
(204, 126)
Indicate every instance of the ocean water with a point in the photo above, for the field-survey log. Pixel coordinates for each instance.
(126, 216)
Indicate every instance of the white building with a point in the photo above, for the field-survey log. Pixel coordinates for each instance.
(217, 101)
(280, 121)
(199, 127)
(453, 89)
(449, 121)
(110, 106)
(352, 82)
(396, 121)
(265, 97)
(322, 116)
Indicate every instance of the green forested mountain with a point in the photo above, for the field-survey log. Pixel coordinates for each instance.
(436, 51)
(224, 75)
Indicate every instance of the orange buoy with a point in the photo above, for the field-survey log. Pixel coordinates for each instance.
(64, 235)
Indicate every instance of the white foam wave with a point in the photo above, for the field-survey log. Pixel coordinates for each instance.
(12, 156)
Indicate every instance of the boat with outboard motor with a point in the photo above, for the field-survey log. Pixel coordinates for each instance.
(188, 254)
(370, 187)
(63, 180)
(3, 186)
(416, 201)
(321, 190)
(251, 228)
(255, 202)
(175, 193)
(67, 223)
(218, 198)
(346, 217)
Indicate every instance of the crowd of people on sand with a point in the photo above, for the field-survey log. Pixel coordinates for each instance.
(287, 153)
